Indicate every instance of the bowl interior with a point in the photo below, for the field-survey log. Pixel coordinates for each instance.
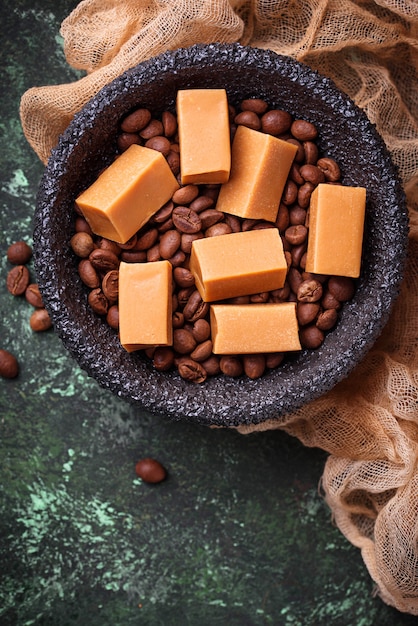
(345, 134)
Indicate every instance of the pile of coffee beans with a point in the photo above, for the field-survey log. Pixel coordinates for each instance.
(191, 214)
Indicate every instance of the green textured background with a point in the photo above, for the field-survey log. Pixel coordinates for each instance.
(237, 535)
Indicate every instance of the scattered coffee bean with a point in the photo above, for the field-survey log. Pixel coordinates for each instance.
(150, 471)
(18, 280)
(9, 366)
(19, 253)
(40, 321)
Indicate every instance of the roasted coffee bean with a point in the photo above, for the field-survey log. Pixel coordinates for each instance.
(211, 365)
(110, 285)
(146, 239)
(9, 365)
(82, 244)
(329, 301)
(185, 194)
(150, 471)
(254, 104)
(192, 371)
(294, 278)
(221, 228)
(282, 219)
(17, 280)
(327, 319)
(309, 291)
(163, 214)
(133, 256)
(183, 277)
(233, 222)
(169, 122)
(195, 308)
(40, 321)
(294, 174)
(300, 153)
(112, 316)
(186, 220)
(98, 301)
(304, 194)
(169, 243)
(290, 192)
(202, 351)
(330, 168)
(297, 215)
(201, 330)
(177, 259)
(173, 160)
(153, 253)
(209, 217)
(231, 366)
(184, 294)
(183, 341)
(165, 226)
(312, 174)
(152, 129)
(33, 296)
(163, 358)
(274, 359)
(254, 365)
(248, 119)
(187, 240)
(311, 337)
(311, 152)
(103, 260)
(296, 234)
(201, 203)
(281, 294)
(259, 298)
(82, 226)
(126, 140)
(276, 122)
(88, 274)
(248, 224)
(307, 312)
(108, 244)
(159, 143)
(303, 130)
(297, 254)
(130, 244)
(19, 253)
(136, 121)
(341, 287)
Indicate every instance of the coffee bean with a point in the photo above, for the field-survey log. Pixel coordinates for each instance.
(112, 317)
(186, 220)
(173, 160)
(192, 371)
(183, 277)
(195, 308)
(98, 301)
(82, 244)
(201, 330)
(202, 351)
(307, 312)
(88, 274)
(17, 280)
(296, 234)
(19, 253)
(221, 228)
(231, 366)
(248, 119)
(169, 122)
(309, 291)
(183, 341)
(163, 358)
(146, 239)
(254, 365)
(103, 260)
(159, 143)
(33, 296)
(276, 122)
(211, 365)
(185, 194)
(311, 152)
(126, 140)
(274, 359)
(327, 319)
(254, 104)
(9, 366)
(341, 287)
(169, 243)
(330, 169)
(303, 130)
(150, 471)
(312, 174)
(201, 203)
(40, 321)
(110, 285)
(311, 337)
(152, 129)
(136, 121)
(209, 217)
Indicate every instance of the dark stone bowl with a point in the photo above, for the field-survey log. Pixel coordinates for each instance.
(345, 134)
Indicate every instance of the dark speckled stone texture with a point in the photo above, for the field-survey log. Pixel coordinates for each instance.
(345, 134)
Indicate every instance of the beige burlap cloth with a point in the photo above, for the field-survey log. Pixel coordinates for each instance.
(369, 422)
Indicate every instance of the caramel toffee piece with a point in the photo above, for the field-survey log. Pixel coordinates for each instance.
(204, 136)
(254, 328)
(127, 193)
(336, 223)
(145, 305)
(260, 164)
(238, 264)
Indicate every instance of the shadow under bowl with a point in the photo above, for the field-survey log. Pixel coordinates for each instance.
(345, 134)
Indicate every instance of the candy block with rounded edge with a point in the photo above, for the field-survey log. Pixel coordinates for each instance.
(254, 328)
(127, 193)
(145, 305)
(336, 224)
(260, 164)
(238, 264)
(204, 135)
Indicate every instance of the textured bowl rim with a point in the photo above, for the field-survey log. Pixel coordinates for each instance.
(219, 401)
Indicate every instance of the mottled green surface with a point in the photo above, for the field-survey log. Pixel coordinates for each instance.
(237, 535)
